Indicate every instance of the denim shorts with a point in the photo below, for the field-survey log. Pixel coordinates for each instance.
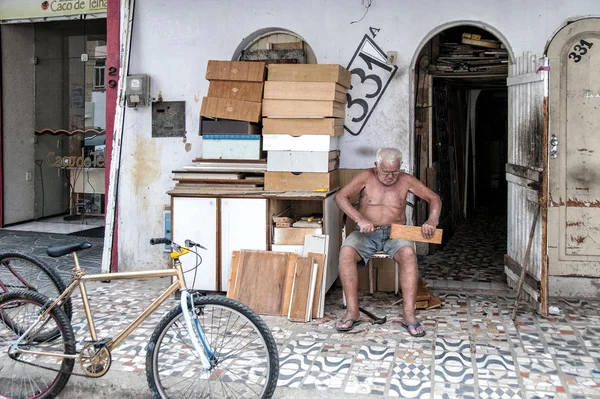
(366, 244)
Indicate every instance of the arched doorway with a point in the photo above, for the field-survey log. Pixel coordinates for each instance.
(460, 152)
(275, 46)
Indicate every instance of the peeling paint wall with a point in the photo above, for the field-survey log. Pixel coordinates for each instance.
(173, 40)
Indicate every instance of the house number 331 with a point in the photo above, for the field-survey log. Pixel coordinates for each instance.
(579, 50)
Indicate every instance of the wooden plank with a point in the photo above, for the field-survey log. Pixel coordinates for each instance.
(310, 73)
(230, 109)
(480, 43)
(309, 181)
(235, 258)
(302, 109)
(287, 46)
(301, 289)
(289, 279)
(318, 243)
(293, 235)
(235, 70)
(236, 90)
(323, 91)
(300, 126)
(260, 280)
(319, 259)
(311, 293)
(413, 233)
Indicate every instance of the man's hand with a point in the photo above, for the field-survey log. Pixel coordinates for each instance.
(365, 225)
(428, 229)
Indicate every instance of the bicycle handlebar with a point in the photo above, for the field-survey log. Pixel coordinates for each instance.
(154, 241)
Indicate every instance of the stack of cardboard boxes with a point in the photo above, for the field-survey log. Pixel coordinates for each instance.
(304, 107)
(234, 97)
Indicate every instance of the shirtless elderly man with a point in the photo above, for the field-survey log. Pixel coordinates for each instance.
(383, 190)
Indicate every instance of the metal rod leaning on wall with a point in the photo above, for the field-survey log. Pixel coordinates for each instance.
(526, 260)
(127, 12)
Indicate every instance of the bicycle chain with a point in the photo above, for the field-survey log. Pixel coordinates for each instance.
(52, 369)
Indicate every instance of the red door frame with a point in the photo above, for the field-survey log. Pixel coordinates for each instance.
(113, 33)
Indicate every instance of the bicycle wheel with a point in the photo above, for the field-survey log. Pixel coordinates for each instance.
(26, 375)
(23, 271)
(246, 363)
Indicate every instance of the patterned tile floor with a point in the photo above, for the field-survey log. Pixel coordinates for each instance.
(472, 348)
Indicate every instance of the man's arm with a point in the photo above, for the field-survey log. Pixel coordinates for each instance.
(435, 206)
(343, 196)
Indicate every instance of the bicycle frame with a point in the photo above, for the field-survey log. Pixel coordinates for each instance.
(79, 280)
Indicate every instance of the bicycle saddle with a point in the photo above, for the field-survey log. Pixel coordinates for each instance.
(59, 250)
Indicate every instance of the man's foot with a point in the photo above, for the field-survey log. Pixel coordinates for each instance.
(346, 325)
(414, 328)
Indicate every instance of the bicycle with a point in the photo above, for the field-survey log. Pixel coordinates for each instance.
(23, 271)
(208, 346)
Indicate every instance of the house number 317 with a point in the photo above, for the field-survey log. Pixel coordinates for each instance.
(579, 50)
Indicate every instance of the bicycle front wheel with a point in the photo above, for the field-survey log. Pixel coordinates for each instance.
(23, 271)
(245, 362)
(43, 374)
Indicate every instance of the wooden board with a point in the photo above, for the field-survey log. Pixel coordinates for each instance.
(413, 233)
(301, 289)
(480, 43)
(293, 235)
(235, 258)
(300, 126)
(287, 46)
(302, 109)
(325, 91)
(318, 243)
(236, 70)
(260, 280)
(319, 259)
(236, 90)
(289, 280)
(288, 181)
(310, 73)
(230, 109)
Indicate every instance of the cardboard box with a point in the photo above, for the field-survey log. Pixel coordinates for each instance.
(293, 235)
(230, 109)
(302, 126)
(288, 181)
(303, 161)
(236, 70)
(303, 109)
(227, 126)
(325, 91)
(363, 278)
(287, 142)
(385, 275)
(309, 73)
(236, 90)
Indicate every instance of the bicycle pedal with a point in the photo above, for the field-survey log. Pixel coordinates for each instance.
(101, 343)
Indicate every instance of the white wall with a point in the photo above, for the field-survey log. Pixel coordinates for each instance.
(173, 40)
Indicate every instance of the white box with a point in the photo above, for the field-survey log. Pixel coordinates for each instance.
(231, 146)
(296, 249)
(302, 161)
(286, 142)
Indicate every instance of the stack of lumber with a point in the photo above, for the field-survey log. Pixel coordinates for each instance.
(231, 111)
(303, 111)
(278, 283)
(425, 299)
(472, 55)
(220, 175)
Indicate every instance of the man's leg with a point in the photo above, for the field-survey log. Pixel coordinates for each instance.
(349, 277)
(409, 279)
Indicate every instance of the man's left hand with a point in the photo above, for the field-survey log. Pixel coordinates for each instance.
(428, 230)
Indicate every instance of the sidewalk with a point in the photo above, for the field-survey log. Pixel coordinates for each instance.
(472, 349)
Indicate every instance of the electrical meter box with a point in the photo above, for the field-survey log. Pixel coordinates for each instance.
(137, 91)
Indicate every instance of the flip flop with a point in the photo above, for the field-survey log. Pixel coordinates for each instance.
(350, 327)
(415, 326)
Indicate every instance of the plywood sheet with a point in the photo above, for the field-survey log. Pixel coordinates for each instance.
(289, 280)
(235, 70)
(230, 109)
(413, 233)
(301, 289)
(325, 91)
(293, 235)
(236, 90)
(235, 258)
(302, 109)
(308, 181)
(304, 126)
(310, 73)
(260, 280)
(319, 259)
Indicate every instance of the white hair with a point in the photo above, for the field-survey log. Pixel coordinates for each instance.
(389, 155)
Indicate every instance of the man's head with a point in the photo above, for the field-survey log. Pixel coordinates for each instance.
(388, 162)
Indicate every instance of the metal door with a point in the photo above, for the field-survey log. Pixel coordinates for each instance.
(524, 171)
(574, 164)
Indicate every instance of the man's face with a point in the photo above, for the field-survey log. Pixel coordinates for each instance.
(387, 172)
